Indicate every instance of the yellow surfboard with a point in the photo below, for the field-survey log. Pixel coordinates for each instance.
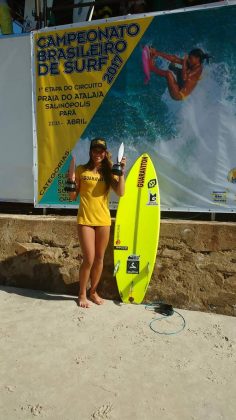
(137, 231)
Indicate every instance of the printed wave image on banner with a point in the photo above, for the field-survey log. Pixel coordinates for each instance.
(164, 84)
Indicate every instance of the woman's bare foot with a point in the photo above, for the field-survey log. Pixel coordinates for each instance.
(83, 302)
(96, 298)
(153, 52)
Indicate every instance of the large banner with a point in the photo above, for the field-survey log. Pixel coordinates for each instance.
(164, 84)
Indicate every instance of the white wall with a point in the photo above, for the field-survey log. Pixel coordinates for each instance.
(16, 133)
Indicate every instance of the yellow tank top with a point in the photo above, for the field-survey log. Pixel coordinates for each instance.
(94, 198)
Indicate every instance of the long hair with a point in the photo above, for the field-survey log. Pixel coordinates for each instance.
(197, 52)
(105, 169)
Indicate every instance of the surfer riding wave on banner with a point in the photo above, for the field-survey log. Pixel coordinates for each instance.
(180, 80)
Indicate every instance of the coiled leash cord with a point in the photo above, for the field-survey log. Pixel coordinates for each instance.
(166, 311)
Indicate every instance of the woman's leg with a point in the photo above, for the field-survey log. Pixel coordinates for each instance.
(172, 85)
(87, 243)
(102, 234)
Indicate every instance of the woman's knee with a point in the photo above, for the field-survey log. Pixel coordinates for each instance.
(173, 87)
(98, 259)
(88, 261)
(176, 96)
(170, 77)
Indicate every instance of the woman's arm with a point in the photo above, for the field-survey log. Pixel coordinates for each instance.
(169, 57)
(74, 177)
(118, 185)
(190, 77)
(184, 68)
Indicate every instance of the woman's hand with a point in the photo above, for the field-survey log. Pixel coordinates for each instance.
(118, 182)
(123, 164)
(153, 52)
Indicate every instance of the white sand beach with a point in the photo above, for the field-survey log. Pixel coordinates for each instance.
(59, 361)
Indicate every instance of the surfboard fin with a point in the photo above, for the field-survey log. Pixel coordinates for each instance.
(116, 268)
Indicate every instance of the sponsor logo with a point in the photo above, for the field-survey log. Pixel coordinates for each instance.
(152, 199)
(232, 176)
(117, 244)
(117, 239)
(219, 196)
(152, 183)
(92, 178)
(133, 264)
(142, 171)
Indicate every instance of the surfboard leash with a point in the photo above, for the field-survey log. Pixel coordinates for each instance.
(166, 311)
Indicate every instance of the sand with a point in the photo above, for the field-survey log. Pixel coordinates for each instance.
(59, 361)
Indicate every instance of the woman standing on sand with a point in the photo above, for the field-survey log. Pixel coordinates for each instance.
(93, 182)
